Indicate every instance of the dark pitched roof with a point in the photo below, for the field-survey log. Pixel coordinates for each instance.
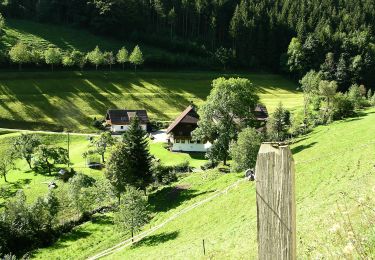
(261, 113)
(123, 116)
(189, 116)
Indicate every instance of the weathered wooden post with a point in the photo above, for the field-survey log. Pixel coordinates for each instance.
(275, 196)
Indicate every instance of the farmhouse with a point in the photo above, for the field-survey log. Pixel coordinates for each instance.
(180, 132)
(119, 119)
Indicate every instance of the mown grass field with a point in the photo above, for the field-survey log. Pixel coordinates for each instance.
(335, 186)
(69, 101)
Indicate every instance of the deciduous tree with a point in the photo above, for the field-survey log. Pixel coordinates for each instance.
(244, 151)
(136, 57)
(24, 146)
(122, 57)
(95, 57)
(52, 56)
(47, 156)
(19, 54)
(229, 107)
(133, 212)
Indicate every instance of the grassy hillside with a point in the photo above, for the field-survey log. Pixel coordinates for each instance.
(43, 36)
(335, 207)
(70, 100)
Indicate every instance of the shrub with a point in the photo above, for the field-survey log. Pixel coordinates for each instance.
(343, 106)
(209, 165)
(245, 150)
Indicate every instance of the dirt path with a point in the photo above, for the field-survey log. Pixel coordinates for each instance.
(139, 237)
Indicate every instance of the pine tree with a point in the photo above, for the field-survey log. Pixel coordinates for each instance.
(139, 156)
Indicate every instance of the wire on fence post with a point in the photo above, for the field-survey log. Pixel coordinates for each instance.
(275, 197)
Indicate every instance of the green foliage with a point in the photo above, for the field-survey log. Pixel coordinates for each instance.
(101, 144)
(278, 124)
(244, 151)
(133, 212)
(117, 169)
(2, 22)
(139, 159)
(95, 57)
(53, 57)
(6, 164)
(355, 95)
(228, 108)
(343, 106)
(24, 146)
(223, 55)
(23, 225)
(109, 59)
(136, 57)
(47, 156)
(295, 56)
(328, 90)
(19, 54)
(122, 56)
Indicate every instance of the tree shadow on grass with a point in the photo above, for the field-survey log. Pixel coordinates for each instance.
(302, 147)
(155, 240)
(171, 197)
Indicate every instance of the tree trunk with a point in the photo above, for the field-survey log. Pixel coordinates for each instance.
(52, 67)
(20, 66)
(29, 163)
(103, 158)
(49, 168)
(123, 66)
(132, 235)
(135, 68)
(225, 161)
(5, 177)
(96, 67)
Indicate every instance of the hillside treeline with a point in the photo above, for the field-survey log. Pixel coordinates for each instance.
(257, 32)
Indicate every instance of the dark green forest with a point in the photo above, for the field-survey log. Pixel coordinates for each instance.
(334, 36)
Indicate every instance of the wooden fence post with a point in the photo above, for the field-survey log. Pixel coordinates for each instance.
(275, 196)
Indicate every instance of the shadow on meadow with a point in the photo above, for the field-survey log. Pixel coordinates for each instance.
(302, 147)
(171, 197)
(155, 240)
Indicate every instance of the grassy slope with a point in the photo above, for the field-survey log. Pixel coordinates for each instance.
(341, 163)
(42, 36)
(70, 100)
(331, 160)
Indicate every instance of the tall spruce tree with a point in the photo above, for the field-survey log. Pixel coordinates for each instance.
(139, 158)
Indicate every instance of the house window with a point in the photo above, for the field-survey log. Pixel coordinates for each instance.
(177, 141)
(198, 141)
(122, 127)
(182, 141)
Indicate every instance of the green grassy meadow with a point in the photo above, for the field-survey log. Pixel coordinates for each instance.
(69, 101)
(36, 185)
(335, 186)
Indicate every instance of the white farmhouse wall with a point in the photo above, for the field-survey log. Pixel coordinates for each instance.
(191, 147)
(117, 128)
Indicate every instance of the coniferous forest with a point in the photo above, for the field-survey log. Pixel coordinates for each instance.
(336, 37)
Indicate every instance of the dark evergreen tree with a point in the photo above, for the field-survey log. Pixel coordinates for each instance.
(139, 158)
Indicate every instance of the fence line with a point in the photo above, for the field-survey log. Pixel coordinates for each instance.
(140, 236)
